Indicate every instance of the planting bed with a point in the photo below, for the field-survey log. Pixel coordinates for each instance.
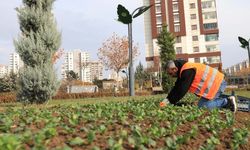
(123, 125)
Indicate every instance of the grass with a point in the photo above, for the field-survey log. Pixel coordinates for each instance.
(84, 101)
(241, 93)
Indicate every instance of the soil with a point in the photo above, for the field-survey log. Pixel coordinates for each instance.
(242, 120)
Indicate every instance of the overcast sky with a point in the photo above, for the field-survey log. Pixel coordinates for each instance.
(86, 24)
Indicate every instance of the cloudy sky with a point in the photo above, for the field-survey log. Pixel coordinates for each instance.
(86, 24)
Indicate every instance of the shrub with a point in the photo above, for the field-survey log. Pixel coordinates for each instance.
(7, 97)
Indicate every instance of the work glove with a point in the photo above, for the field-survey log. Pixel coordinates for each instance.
(164, 102)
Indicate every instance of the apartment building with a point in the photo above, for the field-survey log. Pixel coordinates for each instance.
(76, 61)
(79, 62)
(238, 74)
(194, 25)
(237, 67)
(96, 70)
(15, 63)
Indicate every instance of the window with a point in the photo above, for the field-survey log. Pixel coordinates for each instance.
(210, 26)
(158, 8)
(177, 28)
(244, 64)
(175, 7)
(195, 38)
(209, 15)
(207, 4)
(178, 39)
(196, 49)
(211, 48)
(178, 50)
(158, 20)
(214, 59)
(193, 16)
(192, 5)
(194, 27)
(211, 37)
(176, 18)
(157, 1)
(237, 67)
(197, 60)
(159, 29)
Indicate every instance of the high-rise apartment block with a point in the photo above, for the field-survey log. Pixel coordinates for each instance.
(96, 70)
(79, 62)
(74, 61)
(15, 63)
(194, 25)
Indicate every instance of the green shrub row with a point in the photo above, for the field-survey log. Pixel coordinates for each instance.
(98, 94)
(9, 97)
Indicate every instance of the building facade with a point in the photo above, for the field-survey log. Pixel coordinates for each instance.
(237, 68)
(96, 70)
(194, 25)
(76, 61)
(79, 62)
(15, 63)
(238, 74)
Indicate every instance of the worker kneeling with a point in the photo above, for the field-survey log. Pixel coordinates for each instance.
(202, 80)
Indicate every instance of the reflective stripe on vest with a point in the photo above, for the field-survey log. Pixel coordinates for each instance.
(210, 82)
(198, 90)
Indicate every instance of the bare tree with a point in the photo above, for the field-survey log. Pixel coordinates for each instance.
(114, 53)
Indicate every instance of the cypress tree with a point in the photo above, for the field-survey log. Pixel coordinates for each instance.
(141, 76)
(37, 43)
(166, 42)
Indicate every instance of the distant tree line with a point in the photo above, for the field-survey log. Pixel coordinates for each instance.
(8, 83)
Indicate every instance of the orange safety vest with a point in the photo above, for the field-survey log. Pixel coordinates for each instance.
(207, 80)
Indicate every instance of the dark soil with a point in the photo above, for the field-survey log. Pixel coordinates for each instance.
(242, 120)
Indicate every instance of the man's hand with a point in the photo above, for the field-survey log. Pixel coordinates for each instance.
(164, 102)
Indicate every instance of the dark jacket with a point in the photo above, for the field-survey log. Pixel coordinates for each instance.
(182, 83)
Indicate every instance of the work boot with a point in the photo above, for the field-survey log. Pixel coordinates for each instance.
(231, 103)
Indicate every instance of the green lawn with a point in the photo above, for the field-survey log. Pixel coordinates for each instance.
(85, 101)
(106, 99)
(242, 93)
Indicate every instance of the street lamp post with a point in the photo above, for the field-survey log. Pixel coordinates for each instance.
(248, 53)
(245, 45)
(125, 72)
(125, 17)
(130, 67)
